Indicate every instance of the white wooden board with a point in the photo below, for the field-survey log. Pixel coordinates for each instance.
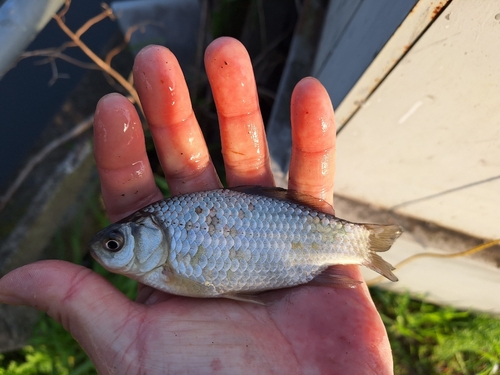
(427, 141)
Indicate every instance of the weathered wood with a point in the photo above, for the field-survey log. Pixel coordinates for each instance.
(420, 17)
(354, 33)
(426, 144)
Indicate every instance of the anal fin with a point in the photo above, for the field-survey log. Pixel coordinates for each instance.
(332, 277)
(252, 298)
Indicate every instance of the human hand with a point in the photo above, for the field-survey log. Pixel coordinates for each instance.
(303, 330)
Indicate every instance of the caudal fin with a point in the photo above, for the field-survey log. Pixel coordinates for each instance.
(381, 239)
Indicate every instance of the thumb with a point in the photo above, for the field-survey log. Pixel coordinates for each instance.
(87, 305)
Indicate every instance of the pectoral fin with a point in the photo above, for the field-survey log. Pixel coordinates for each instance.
(184, 286)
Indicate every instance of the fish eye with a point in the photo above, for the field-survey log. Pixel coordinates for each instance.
(114, 243)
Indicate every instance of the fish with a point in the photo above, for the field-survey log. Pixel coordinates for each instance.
(239, 242)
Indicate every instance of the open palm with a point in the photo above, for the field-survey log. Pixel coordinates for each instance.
(303, 330)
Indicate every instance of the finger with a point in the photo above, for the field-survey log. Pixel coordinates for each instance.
(244, 145)
(87, 306)
(127, 181)
(312, 164)
(179, 141)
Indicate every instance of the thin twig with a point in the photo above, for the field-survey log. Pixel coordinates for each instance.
(65, 9)
(47, 51)
(55, 72)
(107, 12)
(459, 254)
(71, 60)
(42, 154)
(105, 67)
(126, 40)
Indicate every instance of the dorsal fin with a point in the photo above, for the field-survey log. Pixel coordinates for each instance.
(287, 195)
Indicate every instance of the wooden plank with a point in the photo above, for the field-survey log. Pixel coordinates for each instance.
(427, 142)
(353, 35)
(338, 18)
(423, 13)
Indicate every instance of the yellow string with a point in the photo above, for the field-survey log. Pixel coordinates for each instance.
(412, 258)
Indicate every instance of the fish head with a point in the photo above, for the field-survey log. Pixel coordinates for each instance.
(132, 247)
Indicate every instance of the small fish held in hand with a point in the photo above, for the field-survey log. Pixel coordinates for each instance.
(237, 242)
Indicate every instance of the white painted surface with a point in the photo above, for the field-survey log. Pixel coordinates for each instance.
(427, 141)
(407, 33)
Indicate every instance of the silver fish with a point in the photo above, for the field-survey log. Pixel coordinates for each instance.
(236, 242)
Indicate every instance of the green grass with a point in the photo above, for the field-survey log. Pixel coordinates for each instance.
(429, 339)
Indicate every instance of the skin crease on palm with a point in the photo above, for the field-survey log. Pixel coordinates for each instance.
(303, 330)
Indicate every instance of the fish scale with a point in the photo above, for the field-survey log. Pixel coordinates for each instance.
(227, 242)
(266, 237)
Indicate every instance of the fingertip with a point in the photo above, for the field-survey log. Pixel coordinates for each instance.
(161, 86)
(230, 72)
(127, 180)
(312, 164)
(117, 131)
(109, 99)
(311, 104)
(224, 44)
(151, 55)
(309, 83)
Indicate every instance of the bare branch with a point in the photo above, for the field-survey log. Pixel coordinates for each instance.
(126, 39)
(53, 53)
(65, 9)
(55, 72)
(105, 67)
(62, 56)
(107, 12)
(47, 51)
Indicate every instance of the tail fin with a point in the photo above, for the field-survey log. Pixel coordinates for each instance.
(381, 239)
